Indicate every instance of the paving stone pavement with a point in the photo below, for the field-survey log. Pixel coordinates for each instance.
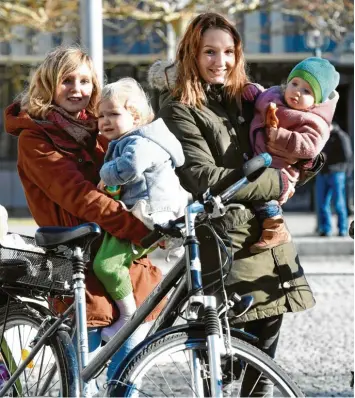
(316, 347)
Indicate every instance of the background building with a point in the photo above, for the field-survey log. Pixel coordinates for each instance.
(272, 46)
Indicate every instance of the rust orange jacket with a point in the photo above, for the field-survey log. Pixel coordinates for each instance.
(60, 180)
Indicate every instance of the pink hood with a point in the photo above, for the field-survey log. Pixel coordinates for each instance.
(301, 134)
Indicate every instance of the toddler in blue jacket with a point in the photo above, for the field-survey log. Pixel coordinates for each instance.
(139, 170)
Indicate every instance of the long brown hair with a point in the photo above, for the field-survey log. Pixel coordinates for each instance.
(188, 87)
(37, 99)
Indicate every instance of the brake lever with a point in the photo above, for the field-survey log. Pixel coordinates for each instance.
(175, 231)
(215, 208)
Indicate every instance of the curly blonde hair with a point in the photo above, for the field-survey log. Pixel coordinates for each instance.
(37, 99)
(188, 85)
(130, 94)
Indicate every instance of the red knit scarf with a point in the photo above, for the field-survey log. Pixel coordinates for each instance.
(82, 129)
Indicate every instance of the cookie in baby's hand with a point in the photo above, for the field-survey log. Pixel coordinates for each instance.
(271, 118)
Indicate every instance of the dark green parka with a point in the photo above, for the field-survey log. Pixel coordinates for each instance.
(215, 140)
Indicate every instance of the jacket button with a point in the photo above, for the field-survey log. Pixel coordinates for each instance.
(80, 160)
(286, 285)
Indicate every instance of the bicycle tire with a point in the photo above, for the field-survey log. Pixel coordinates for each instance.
(22, 324)
(132, 379)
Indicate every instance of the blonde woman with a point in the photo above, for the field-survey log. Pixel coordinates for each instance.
(59, 157)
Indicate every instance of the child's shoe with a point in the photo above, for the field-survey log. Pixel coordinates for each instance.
(4, 376)
(274, 234)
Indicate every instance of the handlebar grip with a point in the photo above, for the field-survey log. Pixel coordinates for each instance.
(225, 182)
(151, 238)
(162, 230)
(254, 167)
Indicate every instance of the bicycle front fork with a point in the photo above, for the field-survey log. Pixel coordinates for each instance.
(212, 325)
(215, 348)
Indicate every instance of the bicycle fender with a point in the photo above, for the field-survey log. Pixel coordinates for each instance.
(198, 327)
(69, 351)
(70, 354)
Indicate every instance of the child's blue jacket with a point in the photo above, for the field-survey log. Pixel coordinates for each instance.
(143, 162)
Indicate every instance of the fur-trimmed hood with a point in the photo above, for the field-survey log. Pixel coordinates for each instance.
(162, 75)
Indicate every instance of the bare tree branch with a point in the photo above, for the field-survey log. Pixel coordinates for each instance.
(333, 17)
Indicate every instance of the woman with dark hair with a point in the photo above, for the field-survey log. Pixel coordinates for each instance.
(201, 103)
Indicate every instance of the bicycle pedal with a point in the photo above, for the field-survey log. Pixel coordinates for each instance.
(241, 305)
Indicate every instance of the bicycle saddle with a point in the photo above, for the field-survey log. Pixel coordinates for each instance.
(51, 237)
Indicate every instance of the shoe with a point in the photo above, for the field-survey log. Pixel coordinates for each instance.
(325, 234)
(230, 377)
(94, 388)
(274, 234)
(4, 377)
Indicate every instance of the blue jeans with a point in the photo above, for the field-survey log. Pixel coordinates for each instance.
(331, 186)
(94, 337)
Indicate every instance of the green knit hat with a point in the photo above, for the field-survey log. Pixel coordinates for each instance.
(320, 74)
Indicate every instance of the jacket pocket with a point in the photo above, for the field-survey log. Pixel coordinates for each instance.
(235, 218)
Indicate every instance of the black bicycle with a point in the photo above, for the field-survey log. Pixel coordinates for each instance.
(200, 356)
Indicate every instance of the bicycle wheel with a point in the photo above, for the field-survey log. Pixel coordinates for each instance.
(47, 374)
(161, 368)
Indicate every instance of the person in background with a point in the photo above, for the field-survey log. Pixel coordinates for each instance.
(201, 103)
(351, 229)
(60, 154)
(331, 182)
(291, 123)
(139, 170)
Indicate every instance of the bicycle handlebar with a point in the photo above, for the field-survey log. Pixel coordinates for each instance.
(158, 232)
(225, 188)
(151, 238)
(255, 167)
(252, 170)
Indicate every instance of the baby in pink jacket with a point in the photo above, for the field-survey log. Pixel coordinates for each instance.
(296, 132)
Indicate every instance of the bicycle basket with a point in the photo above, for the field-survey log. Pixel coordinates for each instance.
(29, 269)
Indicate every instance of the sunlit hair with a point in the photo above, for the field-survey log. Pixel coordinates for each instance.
(283, 87)
(189, 85)
(128, 93)
(37, 100)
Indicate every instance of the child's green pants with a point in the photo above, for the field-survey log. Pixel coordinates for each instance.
(112, 262)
